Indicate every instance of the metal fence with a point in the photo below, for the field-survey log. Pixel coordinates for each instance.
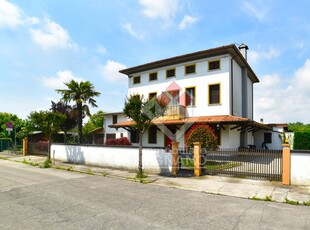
(243, 163)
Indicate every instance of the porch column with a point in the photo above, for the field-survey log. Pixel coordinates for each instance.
(175, 158)
(286, 158)
(197, 159)
(25, 146)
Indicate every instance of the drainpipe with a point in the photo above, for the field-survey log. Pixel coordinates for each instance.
(232, 84)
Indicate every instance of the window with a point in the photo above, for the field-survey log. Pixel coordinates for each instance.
(114, 119)
(214, 65)
(190, 96)
(111, 136)
(170, 73)
(136, 96)
(136, 79)
(153, 76)
(134, 136)
(190, 69)
(153, 135)
(152, 95)
(267, 138)
(214, 94)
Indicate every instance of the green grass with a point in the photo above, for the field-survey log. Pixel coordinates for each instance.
(210, 165)
(288, 201)
(307, 203)
(3, 158)
(267, 198)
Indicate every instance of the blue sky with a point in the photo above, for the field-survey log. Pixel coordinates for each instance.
(44, 43)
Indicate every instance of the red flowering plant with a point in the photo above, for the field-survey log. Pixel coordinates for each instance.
(203, 134)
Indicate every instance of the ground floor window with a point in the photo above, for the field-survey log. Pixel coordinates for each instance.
(153, 135)
(111, 136)
(134, 136)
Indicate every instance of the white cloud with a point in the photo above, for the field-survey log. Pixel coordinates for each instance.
(58, 81)
(101, 50)
(162, 9)
(187, 21)
(52, 35)
(131, 31)
(111, 72)
(259, 12)
(32, 20)
(280, 101)
(255, 56)
(10, 14)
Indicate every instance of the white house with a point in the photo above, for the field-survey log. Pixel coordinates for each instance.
(110, 119)
(213, 87)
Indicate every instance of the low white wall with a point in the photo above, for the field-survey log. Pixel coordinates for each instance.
(300, 168)
(154, 160)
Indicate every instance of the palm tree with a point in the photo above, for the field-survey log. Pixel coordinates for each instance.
(81, 93)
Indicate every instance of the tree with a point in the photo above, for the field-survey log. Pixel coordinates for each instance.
(95, 121)
(142, 112)
(69, 112)
(299, 127)
(81, 93)
(47, 122)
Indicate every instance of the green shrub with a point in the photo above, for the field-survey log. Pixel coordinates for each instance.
(302, 140)
(203, 134)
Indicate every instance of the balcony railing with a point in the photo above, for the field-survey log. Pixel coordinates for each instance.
(174, 112)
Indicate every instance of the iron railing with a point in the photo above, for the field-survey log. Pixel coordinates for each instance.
(244, 163)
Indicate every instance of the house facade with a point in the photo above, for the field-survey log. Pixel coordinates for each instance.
(213, 87)
(111, 119)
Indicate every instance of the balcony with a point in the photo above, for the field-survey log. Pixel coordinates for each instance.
(174, 112)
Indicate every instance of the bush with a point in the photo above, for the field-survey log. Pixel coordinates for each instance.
(118, 141)
(203, 134)
(301, 140)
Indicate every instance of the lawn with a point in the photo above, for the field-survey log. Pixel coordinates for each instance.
(210, 165)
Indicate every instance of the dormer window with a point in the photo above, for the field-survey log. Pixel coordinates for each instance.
(213, 65)
(136, 79)
(190, 69)
(153, 76)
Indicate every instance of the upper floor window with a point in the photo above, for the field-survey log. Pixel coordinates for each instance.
(190, 96)
(114, 119)
(170, 73)
(214, 94)
(152, 95)
(213, 65)
(190, 69)
(136, 79)
(153, 76)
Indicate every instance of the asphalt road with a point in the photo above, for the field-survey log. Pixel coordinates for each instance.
(34, 198)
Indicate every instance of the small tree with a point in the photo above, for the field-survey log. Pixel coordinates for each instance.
(47, 122)
(203, 134)
(142, 112)
(69, 112)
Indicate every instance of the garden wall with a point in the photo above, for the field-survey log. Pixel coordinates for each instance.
(155, 160)
(300, 167)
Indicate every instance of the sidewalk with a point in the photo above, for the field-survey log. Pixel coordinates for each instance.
(229, 186)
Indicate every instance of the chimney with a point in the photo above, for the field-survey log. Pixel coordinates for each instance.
(261, 120)
(243, 49)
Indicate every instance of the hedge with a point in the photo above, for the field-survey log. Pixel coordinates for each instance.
(301, 140)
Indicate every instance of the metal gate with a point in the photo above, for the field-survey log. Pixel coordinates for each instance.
(243, 163)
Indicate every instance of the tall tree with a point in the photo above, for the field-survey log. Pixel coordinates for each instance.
(142, 112)
(81, 93)
(69, 112)
(47, 122)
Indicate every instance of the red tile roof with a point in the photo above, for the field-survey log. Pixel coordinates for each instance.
(223, 119)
